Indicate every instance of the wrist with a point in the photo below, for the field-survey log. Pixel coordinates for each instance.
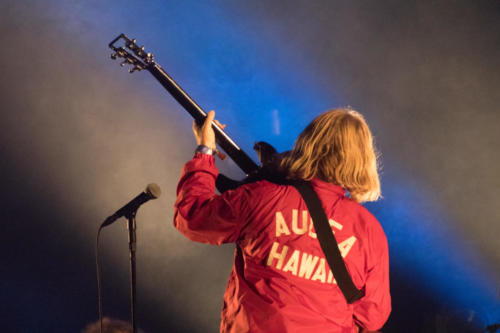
(202, 149)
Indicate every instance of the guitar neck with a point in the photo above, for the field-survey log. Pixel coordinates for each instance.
(223, 140)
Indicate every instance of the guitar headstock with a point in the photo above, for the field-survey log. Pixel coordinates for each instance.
(131, 54)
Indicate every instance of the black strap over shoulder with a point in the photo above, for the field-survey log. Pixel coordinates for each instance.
(328, 242)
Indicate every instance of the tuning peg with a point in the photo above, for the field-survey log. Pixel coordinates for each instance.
(123, 63)
(136, 68)
(113, 56)
(149, 58)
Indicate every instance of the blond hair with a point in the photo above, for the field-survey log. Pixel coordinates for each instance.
(337, 147)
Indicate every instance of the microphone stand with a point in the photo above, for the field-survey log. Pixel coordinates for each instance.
(128, 211)
(132, 247)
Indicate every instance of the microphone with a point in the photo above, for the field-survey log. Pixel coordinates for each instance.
(152, 191)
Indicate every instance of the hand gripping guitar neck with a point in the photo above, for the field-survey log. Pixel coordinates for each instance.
(139, 59)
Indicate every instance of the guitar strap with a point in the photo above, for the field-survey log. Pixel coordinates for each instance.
(328, 242)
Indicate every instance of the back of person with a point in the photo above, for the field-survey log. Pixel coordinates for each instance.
(280, 280)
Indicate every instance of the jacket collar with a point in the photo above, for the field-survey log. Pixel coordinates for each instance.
(322, 186)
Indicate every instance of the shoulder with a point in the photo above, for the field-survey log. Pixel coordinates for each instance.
(364, 218)
(262, 187)
(368, 230)
(359, 210)
(259, 193)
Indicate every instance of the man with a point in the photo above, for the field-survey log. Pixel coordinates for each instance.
(280, 281)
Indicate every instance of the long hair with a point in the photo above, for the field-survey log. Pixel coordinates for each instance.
(337, 147)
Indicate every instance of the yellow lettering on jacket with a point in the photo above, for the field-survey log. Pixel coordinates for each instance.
(292, 264)
(295, 222)
(275, 255)
(307, 265)
(281, 227)
(320, 273)
(301, 264)
(302, 227)
(346, 245)
(298, 263)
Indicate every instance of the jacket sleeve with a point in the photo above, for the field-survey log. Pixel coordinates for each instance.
(371, 311)
(199, 213)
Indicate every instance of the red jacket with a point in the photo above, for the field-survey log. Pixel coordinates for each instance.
(280, 281)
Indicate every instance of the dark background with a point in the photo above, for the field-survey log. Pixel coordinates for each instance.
(79, 137)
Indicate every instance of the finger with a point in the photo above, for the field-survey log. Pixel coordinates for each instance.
(210, 118)
(219, 124)
(196, 128)
(196, 132)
